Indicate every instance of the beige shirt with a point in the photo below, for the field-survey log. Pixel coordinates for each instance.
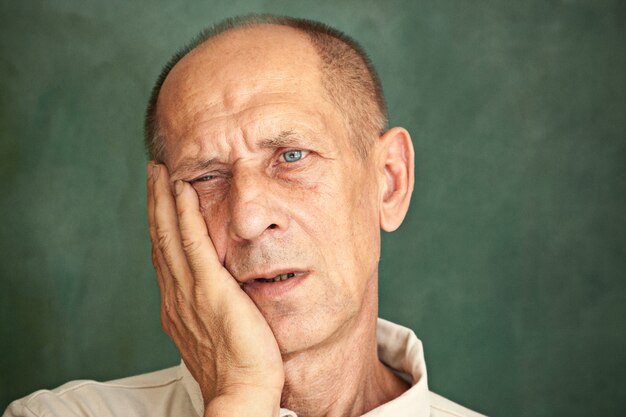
(174, 392)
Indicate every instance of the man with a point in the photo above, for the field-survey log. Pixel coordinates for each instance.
(272, 174)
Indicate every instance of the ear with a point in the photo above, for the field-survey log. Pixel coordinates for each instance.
(396, 159)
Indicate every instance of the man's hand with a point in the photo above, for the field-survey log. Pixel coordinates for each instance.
(224, 340)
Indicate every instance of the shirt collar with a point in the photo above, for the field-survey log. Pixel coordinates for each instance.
(398, 348)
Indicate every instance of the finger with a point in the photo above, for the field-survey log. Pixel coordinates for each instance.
(162, 273)
(197, 244)
(150, 202)
(174, 307)
(157, 258)
(167, 233)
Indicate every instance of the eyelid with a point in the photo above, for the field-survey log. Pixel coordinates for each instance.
(214, 175)
(202, 179)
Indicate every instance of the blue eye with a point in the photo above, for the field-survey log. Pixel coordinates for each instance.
(292, 156)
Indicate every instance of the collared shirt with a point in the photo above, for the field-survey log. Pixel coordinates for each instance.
(174, 392)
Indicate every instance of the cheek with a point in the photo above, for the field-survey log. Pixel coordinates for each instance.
(314, 205)
(341, 217)
(358, 233)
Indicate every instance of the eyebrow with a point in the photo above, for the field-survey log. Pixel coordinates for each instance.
(284, 139)
(190, 165)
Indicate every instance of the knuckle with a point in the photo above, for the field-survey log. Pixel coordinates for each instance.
(165, 323)
(199, 295)
(165, 318)
(191, 246)
(179, 296)
(163, 240)
(165, 310)
(169, 313)
(155, 258)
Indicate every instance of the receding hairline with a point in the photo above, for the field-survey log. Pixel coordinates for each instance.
(346, 72)
(236, 31)
(241, 37)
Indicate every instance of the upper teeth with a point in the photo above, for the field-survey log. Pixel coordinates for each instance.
(280, 277)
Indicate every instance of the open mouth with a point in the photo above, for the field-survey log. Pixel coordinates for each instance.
(278, 278)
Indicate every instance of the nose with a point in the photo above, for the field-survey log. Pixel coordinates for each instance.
(254, 208)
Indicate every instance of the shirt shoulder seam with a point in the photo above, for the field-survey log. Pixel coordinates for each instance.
(30, 410)
(105, 384)
(446, 410)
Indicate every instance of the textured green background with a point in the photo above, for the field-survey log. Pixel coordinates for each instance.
(510, 266)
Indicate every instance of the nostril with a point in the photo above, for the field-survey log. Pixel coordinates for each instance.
(272, 226)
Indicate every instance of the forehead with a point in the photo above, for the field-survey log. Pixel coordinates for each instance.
(253, 76)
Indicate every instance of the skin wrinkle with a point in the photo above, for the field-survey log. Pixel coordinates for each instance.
(199, 125)
(188, 168)
(326, 393)
(326, 211)
(238, 266)
(349, 81)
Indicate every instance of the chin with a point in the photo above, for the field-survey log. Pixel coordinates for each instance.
(293, 332)
(296, 333)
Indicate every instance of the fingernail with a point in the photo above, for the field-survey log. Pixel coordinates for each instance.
(178, 187)
(155, 171)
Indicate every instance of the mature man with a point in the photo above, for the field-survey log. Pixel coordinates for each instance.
(272, 174)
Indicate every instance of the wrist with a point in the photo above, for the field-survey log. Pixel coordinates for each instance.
(245, 402)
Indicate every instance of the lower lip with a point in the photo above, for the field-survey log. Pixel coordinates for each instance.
(274, 290)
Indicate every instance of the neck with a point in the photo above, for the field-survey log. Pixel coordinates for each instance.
(343, 378)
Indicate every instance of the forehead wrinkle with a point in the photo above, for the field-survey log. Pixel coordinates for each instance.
(234, 102)
(214, 112)
(284, 139)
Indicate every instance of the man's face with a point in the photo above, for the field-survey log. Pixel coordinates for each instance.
(281, 186)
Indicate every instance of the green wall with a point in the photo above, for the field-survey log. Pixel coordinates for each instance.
(510, 266)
